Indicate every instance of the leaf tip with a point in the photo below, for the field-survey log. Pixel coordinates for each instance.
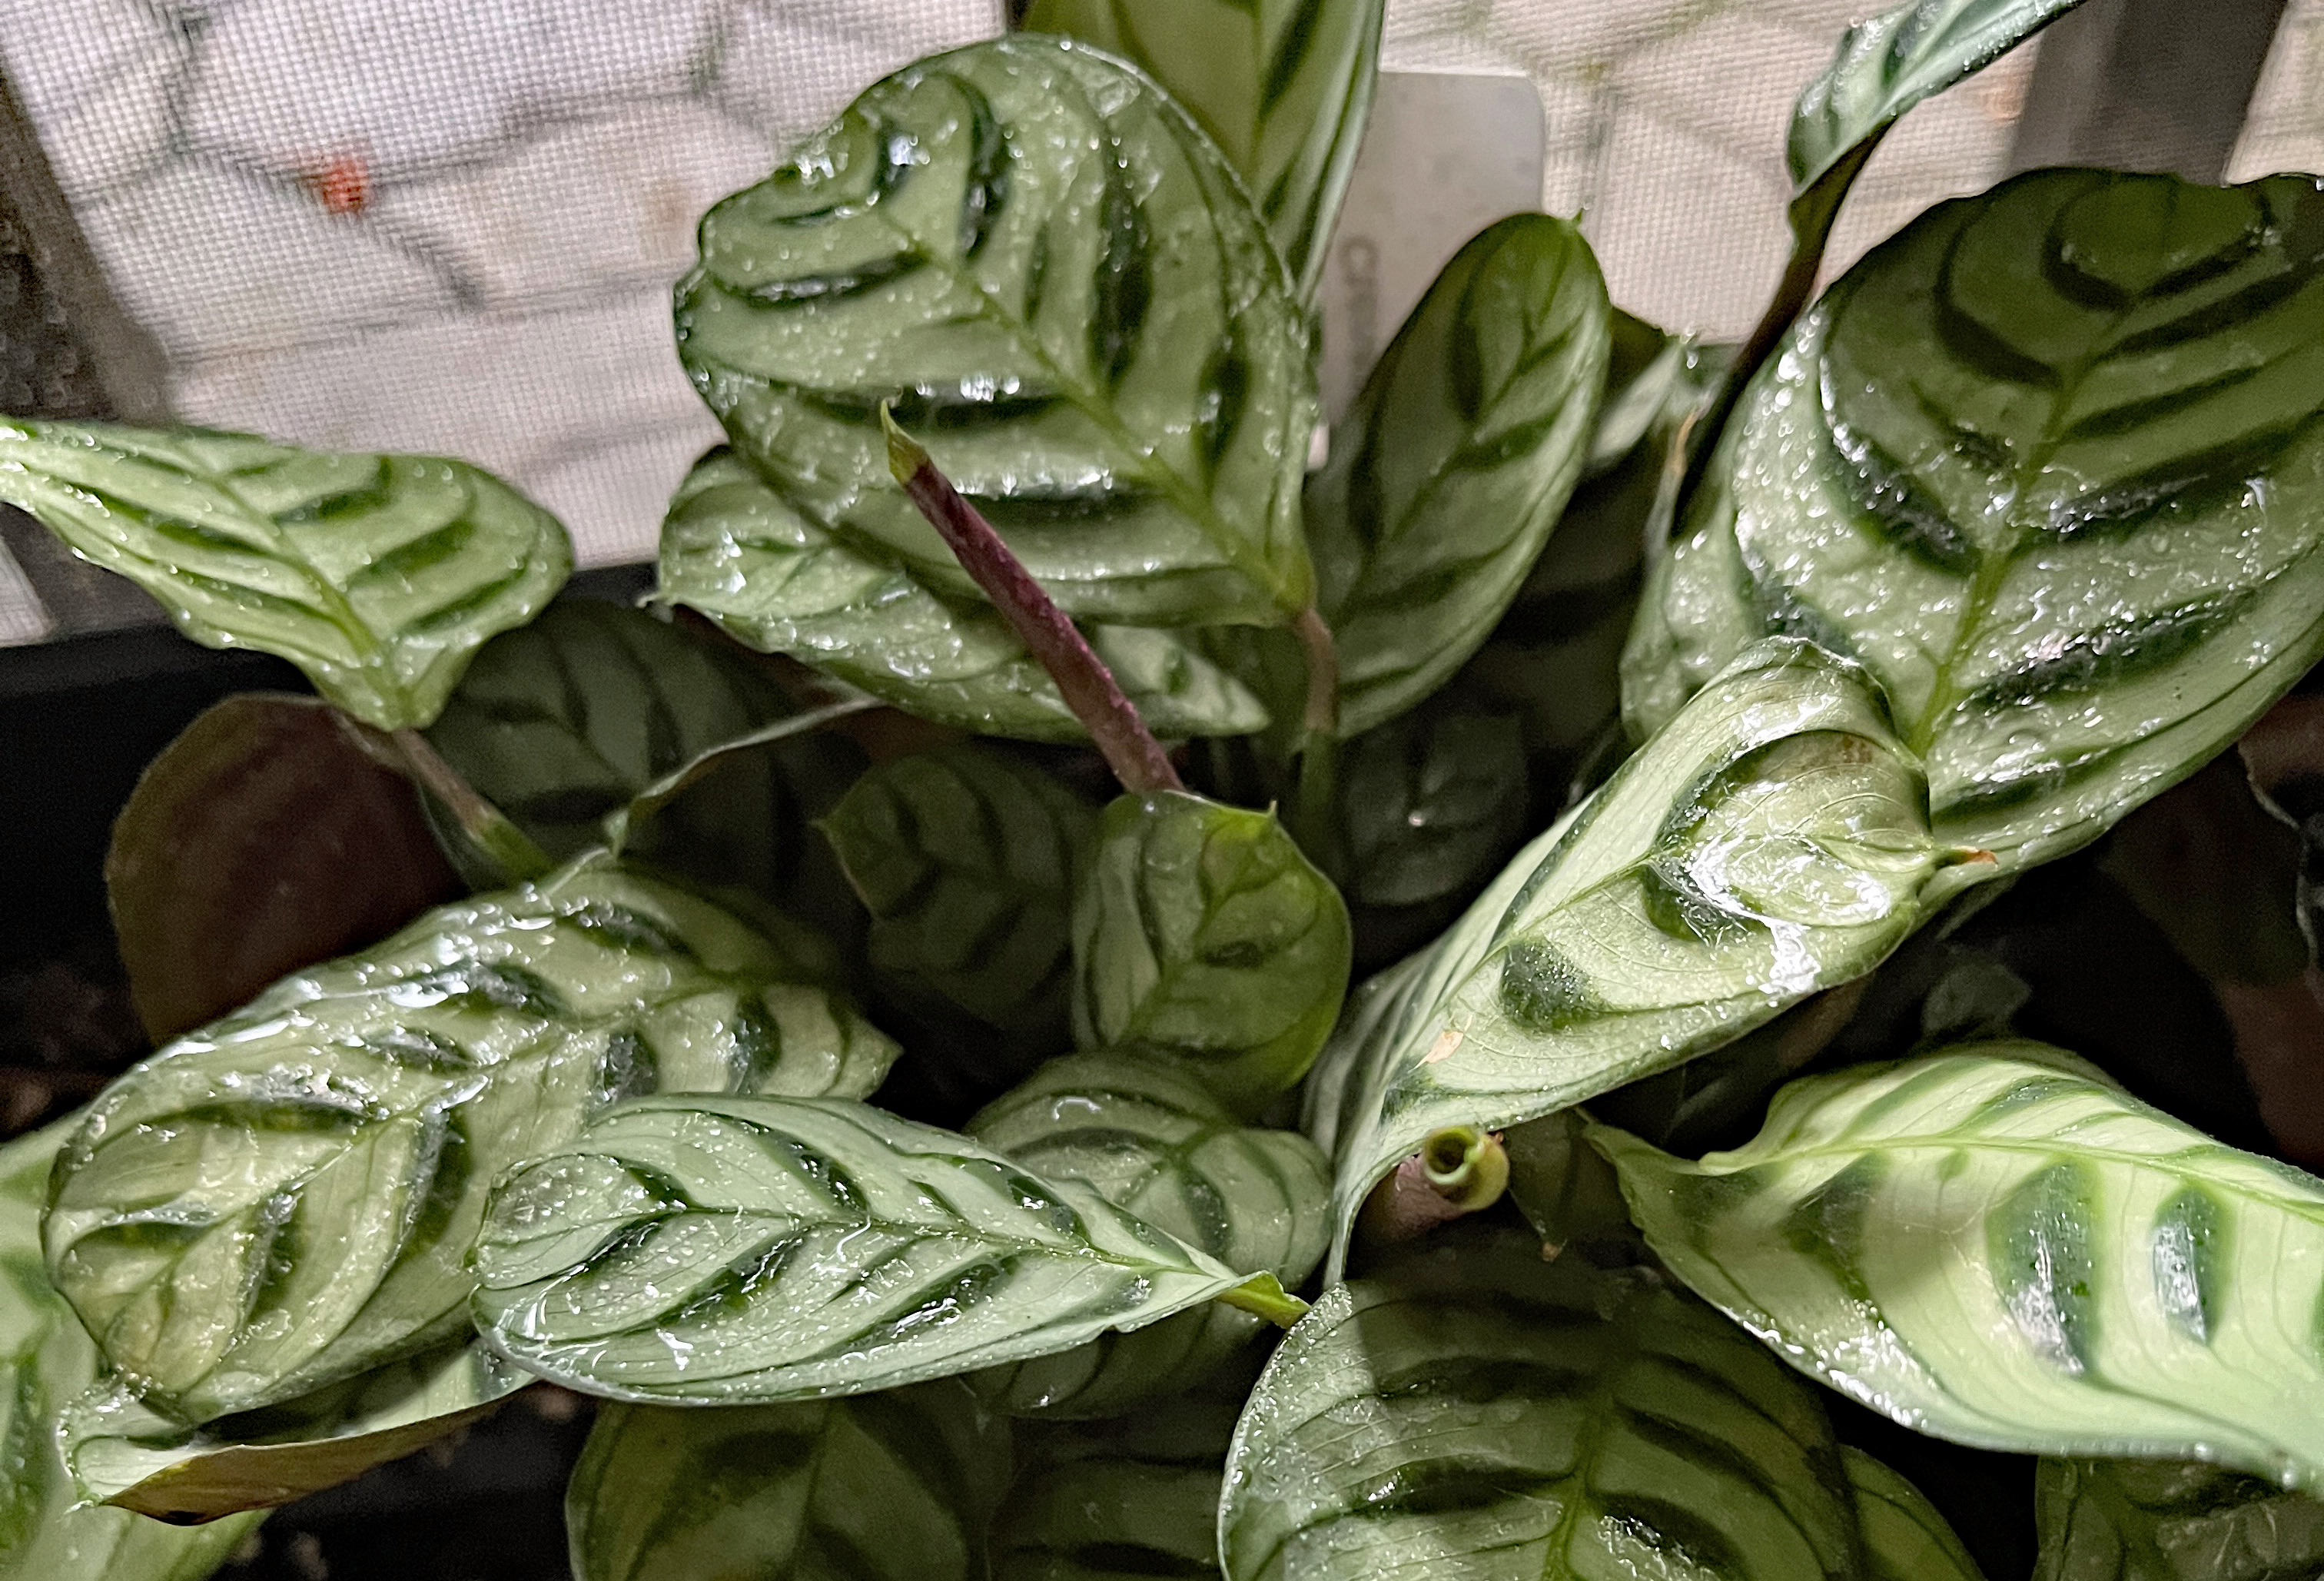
(1264, 1297)
(906, 455)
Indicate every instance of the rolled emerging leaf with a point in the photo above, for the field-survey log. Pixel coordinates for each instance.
(734, 550)
(967, 860)
(2170, 1521)
(121, 1451)
(2046, 463)
(288, 1197)
(896, 1486)
(1202, 931)
(1283, 86)
(378, 575)
(46, 1532)
(726, 1251)
(1994, 1244)
(1770, 841)
(1481, 1413)
(1153, 1142)
(1447, 476)
(1053, 274)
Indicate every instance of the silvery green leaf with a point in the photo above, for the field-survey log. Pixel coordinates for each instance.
(46, 1533)
(565, 722)
(2171, 1520)
(288, 1197)
(734, 550)
(967, 859)
(895, 1487)
(1050, 269)
(733, 1251)
(378, 575)
(1448, 474)
(1283, 86)
(1480, 1413)
(2042, 463)
(121, 1451)
(1767, 843)
(1904, 1538)
(1202, 931)
(1995, 1245)
(1153, 1142)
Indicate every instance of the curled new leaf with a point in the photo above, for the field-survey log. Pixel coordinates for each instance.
(738, 1250)
(1283, 88)
(1055, 268)
(121, 1451)
(265, 837)
(378, 575)
(967, 860)
(896, 1486)
(2044, 463)
(1993, 1244)
(1481, 1413)
(1447, 476)
(46, 1532)
(288, 1197)
(1770, 841)
(734, 550)
(1203, 932)
(1153, 1142)
(2170, 1521)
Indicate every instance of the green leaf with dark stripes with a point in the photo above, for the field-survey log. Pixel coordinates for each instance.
(2171, 1520)
(121, 1451)
(1430, 804)
(562, 724)
(288, 1197)
(1446, 477)
(968, 859)
(1048, 268)
(1995, 1245)
(1481, 1413)
(728, 1251)
(378, 575)
(734, 550)
(1769, 842)
(1202, 931)
(1152, 1142)
(1904, 1538)
(896, 1486)
(1283, 86)
(46, 1533)
(2047, 462)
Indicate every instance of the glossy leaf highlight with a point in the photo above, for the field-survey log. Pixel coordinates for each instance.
(1993, 1244)
(730, 1251)
(378, 575)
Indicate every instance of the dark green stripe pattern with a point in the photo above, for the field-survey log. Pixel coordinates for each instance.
(1770, 842)
(1283, 86)
(288, 1197)
(46, 1532)
(1481, 1414)
(1059, 282)
(1904, 1538)
(1448, 474)
(1152, 1142)
(967, 859)
(2171, 1520)
(2047, 463)
(1994, 1244)
(730, 1250)
(378, 575)
(1203, 932)
(734, 550)
(897, 1486)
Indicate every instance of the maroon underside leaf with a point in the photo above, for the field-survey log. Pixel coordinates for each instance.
(266, 837)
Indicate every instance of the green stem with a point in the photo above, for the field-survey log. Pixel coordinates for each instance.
(1113, 722)
(1319, 745)
(487, 827)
